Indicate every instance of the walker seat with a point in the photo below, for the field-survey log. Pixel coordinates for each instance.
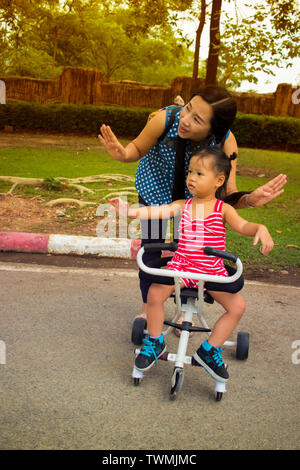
(187, 301)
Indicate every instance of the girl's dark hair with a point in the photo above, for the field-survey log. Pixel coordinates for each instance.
(223, 106)
(221, 165)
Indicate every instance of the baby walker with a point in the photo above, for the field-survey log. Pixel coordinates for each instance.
(189, 308)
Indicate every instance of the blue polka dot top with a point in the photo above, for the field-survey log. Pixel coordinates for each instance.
(155, 173)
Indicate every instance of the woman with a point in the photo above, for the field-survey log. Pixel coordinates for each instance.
(204, 121)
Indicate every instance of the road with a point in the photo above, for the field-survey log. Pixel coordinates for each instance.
(66, 381)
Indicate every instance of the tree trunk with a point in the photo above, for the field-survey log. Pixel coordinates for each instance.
(198, 38)
(54, 49)
(214, 45)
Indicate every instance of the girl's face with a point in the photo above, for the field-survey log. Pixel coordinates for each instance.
(202, 180)
(195, 119)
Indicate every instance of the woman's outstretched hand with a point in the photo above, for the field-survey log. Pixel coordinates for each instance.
(111, 143)
(267, 192)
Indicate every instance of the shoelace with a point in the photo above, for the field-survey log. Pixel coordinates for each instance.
(217, 356)
(148, 349)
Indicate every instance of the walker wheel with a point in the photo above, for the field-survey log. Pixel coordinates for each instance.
(177, 382)
(219, 396)
(138, 327)
(242, 347)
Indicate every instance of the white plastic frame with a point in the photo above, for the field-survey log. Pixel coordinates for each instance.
(189, 310)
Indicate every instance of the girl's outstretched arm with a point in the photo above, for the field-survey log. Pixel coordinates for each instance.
(250, 229)
(147, 212)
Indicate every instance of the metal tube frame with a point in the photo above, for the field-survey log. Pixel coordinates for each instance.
(189, 309)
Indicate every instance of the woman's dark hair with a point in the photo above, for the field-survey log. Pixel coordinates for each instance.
(223, 106)
(221, 164)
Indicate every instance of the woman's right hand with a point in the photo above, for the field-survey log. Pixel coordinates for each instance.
(111, 143)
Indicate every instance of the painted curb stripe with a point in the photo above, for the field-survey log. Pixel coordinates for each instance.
(24, 242)
(70, 244)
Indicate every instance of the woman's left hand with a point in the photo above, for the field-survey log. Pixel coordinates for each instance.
(267, 192)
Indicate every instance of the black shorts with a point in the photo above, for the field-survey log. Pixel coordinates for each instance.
(231, 287)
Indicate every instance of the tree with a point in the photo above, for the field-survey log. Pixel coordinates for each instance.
(214, 44)
(258, 42)
(198, 38)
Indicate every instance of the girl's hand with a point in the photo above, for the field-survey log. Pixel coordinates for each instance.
(120, 206)
(263, 235)
(111, 143)
(267, 192)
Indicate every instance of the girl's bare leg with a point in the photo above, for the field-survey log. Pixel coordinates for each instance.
(234, 306)
(157, 295)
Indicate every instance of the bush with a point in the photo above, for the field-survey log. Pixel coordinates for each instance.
(260, 131)
(72, 118)
(250, 130)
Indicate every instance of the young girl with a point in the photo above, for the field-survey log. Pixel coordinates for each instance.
(202, 224)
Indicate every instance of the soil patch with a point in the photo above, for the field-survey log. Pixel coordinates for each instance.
(19, 214)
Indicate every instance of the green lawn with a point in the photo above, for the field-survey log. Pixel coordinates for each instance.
(40, 162)
(281, 216)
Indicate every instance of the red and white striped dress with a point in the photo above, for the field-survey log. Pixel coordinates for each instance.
(194, 235)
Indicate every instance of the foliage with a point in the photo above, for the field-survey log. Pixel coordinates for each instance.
(259, 41)
(256, 131)
(259, 131)
(39, 38)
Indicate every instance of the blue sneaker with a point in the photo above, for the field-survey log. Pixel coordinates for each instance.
(211, 359)
(150, 352)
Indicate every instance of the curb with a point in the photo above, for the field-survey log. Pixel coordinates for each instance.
(69, 244)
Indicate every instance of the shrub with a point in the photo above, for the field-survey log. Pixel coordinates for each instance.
(250, 130)
(260, 131)
(72, 118)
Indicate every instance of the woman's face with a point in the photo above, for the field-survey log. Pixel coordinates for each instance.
(195, 119)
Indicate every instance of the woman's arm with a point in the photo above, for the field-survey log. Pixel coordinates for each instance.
(137, 148)
(230, 147)
(260, 196)
(250, 229)
(147, 212)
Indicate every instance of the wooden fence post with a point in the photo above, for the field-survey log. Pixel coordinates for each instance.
(283, 96)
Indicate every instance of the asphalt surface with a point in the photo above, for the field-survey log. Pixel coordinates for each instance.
(66, 382)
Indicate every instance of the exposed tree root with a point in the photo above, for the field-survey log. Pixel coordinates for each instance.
(72, 183)
(68, 200)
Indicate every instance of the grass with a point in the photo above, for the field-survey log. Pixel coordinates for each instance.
(281, 216)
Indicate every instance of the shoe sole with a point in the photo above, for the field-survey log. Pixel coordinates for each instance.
(208, 369)
(152, 363)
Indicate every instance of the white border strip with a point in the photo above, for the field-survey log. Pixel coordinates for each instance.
(71, 244)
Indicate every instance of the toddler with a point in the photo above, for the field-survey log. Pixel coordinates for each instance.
(202, 224)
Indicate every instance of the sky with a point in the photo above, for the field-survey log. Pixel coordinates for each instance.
(266, 83)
